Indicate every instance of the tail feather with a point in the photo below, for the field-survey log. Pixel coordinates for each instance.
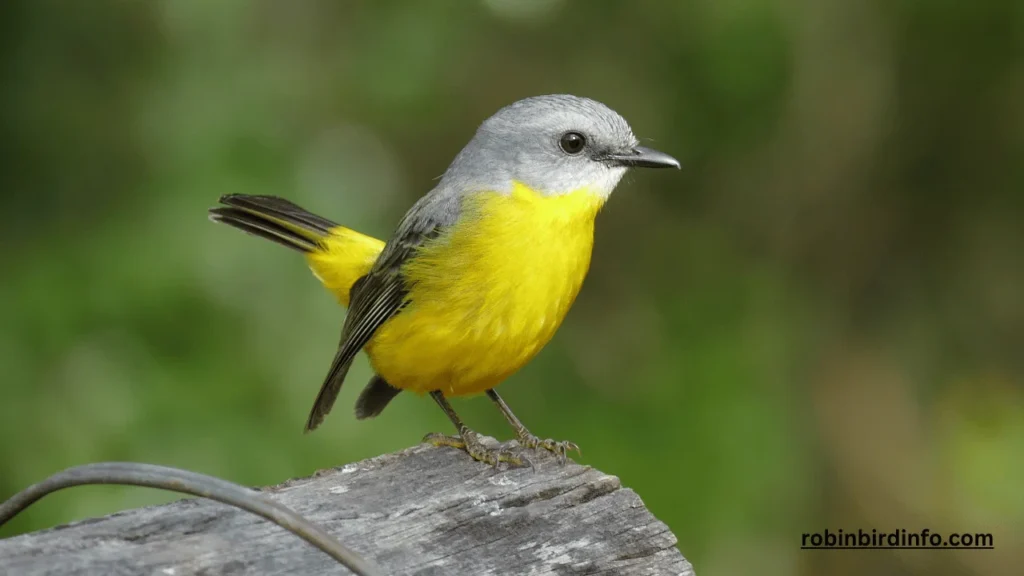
(273, 218)
(253, 224)
(339, 258)
(280, 209)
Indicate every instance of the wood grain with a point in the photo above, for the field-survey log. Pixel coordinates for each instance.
(422, 511)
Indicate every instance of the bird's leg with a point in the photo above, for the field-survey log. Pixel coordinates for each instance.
(467, 439)
(526, 439)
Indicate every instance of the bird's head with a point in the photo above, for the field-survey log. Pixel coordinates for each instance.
(553, 144)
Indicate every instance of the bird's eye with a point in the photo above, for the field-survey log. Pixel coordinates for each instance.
(572, 142)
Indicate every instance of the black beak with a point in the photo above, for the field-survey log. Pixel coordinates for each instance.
(643, 157)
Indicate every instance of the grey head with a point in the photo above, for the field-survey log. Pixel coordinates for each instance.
(554, 144)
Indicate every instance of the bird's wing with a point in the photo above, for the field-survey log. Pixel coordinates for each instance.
(382, 293)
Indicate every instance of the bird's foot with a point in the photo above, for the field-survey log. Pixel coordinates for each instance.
(559, 447)
(470, 441)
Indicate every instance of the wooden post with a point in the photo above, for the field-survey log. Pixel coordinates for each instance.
(423, 510)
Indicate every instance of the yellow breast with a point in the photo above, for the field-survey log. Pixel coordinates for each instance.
(489, 293)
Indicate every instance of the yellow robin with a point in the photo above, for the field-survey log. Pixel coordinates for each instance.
(481, 270)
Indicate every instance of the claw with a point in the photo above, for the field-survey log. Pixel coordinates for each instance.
(492, 456)
(526, 460)
(561, 448)
(438, 439)
(476, 449)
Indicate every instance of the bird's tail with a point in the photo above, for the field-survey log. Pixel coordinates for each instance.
(275, 219)
(337, 255)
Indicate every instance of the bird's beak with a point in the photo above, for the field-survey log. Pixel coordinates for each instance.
(640, 156)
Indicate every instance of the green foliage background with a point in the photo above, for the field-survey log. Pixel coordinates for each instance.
(818, 323)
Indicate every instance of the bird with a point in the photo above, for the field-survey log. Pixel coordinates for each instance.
(479, 273)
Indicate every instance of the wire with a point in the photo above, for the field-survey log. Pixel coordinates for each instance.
(178, 480)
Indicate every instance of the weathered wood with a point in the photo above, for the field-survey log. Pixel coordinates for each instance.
(421, 511)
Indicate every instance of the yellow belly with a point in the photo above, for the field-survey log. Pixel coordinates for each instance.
(488, 294)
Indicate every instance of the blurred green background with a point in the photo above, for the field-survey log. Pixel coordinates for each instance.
(818, 323)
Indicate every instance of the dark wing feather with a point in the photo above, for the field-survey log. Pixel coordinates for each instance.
(372, 305)
(378, 296)
(375, 397)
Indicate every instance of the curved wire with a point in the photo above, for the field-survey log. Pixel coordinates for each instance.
(178, 480)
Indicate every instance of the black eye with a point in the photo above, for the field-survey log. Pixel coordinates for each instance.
(572, 142)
